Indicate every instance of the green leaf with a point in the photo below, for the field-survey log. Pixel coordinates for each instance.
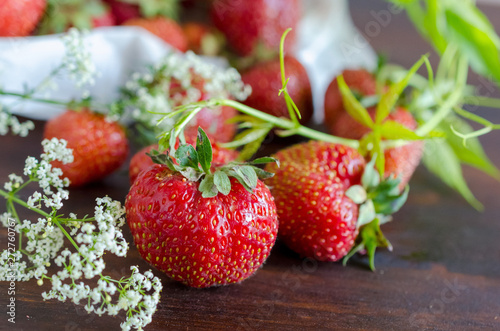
(262, 174)
(379, 157)
(204, 149)
(371, 177)
(475, 37)
(265, 160)
(471, 154)
(389, 98)
(161, 158)
(207, 187)
(248, 175)
(352, 105)
(190, 173)
(417, 15)
(172, 137)
(393, 130)
(433, 21)
(187, 156)
(222, 182)
(387, 199)
(357, 194)
(441, 160)
(372, 237)
(252, 147)
(366, 213)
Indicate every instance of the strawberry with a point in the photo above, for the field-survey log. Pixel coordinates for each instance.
(265, 80)
(166, 29)
(82, 14)
(141, 161)
(123, 11)
(316, 218)
(99, 146)
(360, 81)
(205, 229)
(248, 24)
(399, 162)
(317, 190)
(203, 39)
(18, 18)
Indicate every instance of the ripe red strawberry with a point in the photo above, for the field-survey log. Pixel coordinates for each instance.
(399, 162)
(246, 24)
(99, 146)
(18, 18)
(165, 28)
(360, 82)
(265, 80)
(316, 218)
(201, 233)
(140, 161)
(318, 188)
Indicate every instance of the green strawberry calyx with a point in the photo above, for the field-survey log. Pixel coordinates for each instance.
(377, 199)
(195, 164)
(63, 14)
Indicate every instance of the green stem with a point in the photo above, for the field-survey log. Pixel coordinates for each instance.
(444, 110)
(67, 220)
(29, 97)
(63, 230)
(286, 124)
(481, 101)
(15, 199)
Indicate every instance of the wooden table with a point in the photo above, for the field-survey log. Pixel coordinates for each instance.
(444, 272)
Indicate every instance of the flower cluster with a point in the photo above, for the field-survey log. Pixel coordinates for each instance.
(78, 59)
(42, 244)
(9, 122)
(178, 79)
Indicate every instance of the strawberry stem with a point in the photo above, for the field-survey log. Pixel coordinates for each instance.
(284, 123)
(293, 111)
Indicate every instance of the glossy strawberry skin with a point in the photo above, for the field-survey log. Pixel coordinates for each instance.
(399, 162)
(140, 161)
(265, 80)
(316, 218)
(18, 18)
(198, 241)
(360, 82)
(248, 23)
(99, 147)
(165, 28)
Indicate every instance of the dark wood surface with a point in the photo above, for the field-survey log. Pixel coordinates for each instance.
(444, 272)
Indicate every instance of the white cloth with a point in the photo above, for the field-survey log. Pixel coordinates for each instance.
(323, 32)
